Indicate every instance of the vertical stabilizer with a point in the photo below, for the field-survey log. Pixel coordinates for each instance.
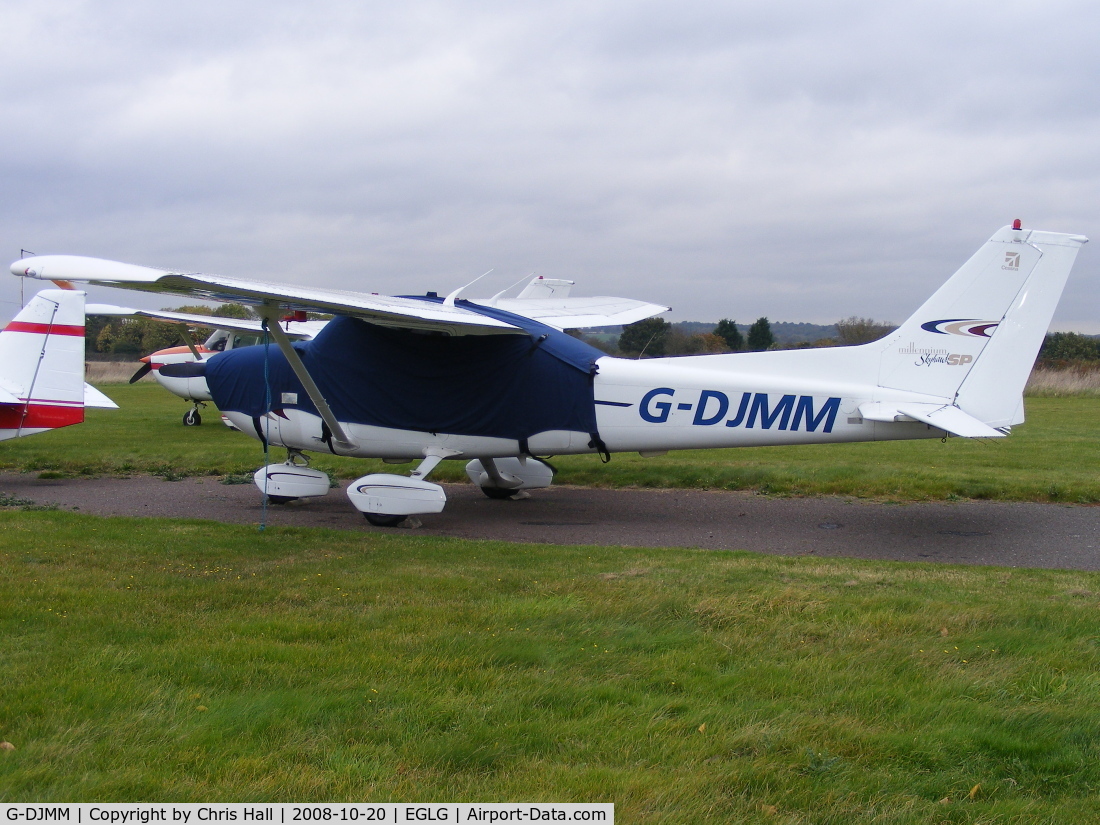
(42, 365)
(993, 391)
(974, 341)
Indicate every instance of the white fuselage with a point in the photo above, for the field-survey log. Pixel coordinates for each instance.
(649, 406)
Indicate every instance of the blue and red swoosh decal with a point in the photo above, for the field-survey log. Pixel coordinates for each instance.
(968, 327)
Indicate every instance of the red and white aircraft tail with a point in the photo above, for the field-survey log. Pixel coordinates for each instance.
(42, 366)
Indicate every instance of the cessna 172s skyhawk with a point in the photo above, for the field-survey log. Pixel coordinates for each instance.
(229, 334)
(497, 382)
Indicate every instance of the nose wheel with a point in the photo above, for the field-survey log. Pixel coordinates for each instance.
(191, 418)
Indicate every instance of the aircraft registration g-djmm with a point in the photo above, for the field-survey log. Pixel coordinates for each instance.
(42, 366)
(498, 383)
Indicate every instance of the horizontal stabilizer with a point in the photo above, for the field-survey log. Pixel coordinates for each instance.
(94, 398)
(941, 416)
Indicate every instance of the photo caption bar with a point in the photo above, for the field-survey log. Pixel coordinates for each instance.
(292, 813)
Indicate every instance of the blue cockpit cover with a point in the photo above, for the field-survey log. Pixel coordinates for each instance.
(504, 386)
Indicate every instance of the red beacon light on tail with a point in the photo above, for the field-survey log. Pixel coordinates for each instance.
(1017, 224)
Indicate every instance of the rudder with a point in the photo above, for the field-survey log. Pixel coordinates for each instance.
(993, 390)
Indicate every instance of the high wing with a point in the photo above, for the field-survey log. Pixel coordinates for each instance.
(404, 312)
(380, 309)
(580, 313)
(299, 330)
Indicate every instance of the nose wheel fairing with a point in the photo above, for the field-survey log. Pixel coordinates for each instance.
(286, 482)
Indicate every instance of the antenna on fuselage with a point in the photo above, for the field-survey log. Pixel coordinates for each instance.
(449, 301)
(22, 254)
(492, 302)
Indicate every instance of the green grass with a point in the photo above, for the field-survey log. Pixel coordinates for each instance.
(1053, 457)
(162, 660)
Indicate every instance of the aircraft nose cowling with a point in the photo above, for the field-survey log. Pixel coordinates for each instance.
(186, 380)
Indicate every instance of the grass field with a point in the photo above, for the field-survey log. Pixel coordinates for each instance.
(187, 661)
(1053, 457)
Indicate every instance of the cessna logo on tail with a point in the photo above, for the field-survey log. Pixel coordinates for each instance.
(1012, 261)
(790, 412)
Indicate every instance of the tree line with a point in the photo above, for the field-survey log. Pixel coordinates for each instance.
(1069, 349)
(140, 336)
(655, 337)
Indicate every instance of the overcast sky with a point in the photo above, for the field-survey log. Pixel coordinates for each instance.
(803, 161)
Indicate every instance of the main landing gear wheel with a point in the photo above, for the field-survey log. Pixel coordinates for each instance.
(191, 418)
(498, 493)
(282, 499)
(379, 520)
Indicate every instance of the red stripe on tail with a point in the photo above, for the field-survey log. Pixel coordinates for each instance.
(39, 416)
(44, 329)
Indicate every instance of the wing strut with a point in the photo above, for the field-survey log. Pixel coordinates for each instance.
(185, 334)
(271, 322)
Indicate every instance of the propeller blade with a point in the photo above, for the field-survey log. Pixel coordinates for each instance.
(143, 370)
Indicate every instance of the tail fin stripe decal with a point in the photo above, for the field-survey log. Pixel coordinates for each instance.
(39, 416)
(44, 329)
(961, 326)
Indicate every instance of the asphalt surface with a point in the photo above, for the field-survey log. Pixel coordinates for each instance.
(969, 532)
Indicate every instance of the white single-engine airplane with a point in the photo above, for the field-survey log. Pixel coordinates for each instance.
(42, 366)
(229, 333)
(497, 382)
